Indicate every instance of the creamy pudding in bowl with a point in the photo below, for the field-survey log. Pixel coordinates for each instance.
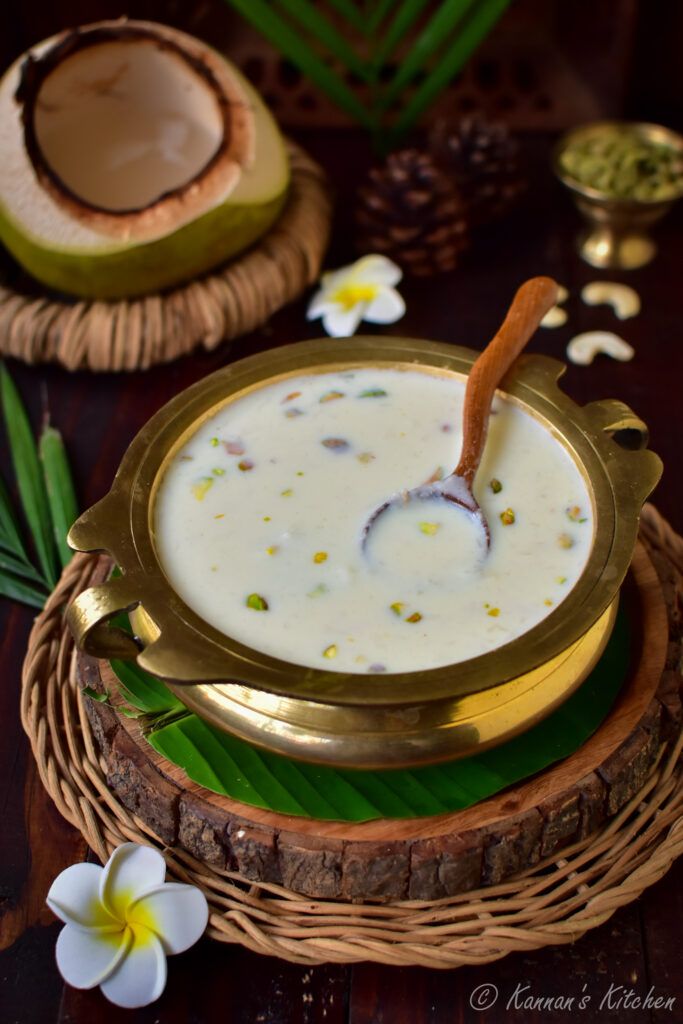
(237, 520)
(259, 514)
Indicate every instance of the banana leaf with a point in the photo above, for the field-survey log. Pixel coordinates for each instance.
(227, 765)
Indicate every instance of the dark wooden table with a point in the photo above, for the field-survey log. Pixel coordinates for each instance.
(639, 947)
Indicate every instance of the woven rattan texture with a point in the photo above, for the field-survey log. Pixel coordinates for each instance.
(133, 334)
(555, 902)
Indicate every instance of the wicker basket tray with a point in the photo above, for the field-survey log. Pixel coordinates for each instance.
(134, 334)
(555, 901)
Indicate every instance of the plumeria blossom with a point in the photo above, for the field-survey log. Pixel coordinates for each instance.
(122, 921)
(362, 291)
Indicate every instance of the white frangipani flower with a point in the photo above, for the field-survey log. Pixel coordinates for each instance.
(122, 921)
(362, 291)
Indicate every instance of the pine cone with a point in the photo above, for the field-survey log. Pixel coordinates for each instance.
(410, 211)
(484, 162)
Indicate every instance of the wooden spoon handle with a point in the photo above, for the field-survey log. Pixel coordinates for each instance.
(530, 304)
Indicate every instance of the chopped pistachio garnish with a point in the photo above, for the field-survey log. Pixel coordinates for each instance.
(415, 617)
(548, 602)
(290, 396)
(317, 591)
(366, 457)
(201, 488)
(496, 486)
(337, 444)
(187, 458)
(574, 513)
(218, 471)
(331, 396)
(320, 556)
(397, 607)
(493, 612)
(272, 549)
(221, 515)
(214, 442)
(373, 393)
(330, 652)
(287, 493)
(565, 541)
(294, 412)
(507, 517)
(560, 579)
(245, 465)
(299, 472)
(429, 528)
(266, 519)
(214, 568)
(258, 603)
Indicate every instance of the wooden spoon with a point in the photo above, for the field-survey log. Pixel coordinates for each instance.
(530, 304)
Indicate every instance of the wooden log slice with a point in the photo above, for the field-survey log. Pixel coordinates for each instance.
(420, 858)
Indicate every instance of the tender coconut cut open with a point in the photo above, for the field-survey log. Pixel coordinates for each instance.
(133, 157)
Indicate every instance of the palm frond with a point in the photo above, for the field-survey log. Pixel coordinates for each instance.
(334, 41)
(48, 504)
(296, 49)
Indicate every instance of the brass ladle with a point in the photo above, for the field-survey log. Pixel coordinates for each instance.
(530, 304)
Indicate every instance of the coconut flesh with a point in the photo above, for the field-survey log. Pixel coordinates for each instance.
(134, 157)
(121, 124)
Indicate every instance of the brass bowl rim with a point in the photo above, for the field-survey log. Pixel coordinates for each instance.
(190, 650)
(644, 129)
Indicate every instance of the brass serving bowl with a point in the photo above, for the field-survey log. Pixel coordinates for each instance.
(617, 236)
(384, 720)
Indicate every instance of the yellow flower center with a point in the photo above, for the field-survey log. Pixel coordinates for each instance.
(350, 294)
(142, 922)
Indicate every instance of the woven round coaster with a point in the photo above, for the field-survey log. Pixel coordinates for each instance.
(134, 334)
(554, 902)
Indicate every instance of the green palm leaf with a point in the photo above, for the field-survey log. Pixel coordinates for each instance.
(10, 538)
(377, 49)
(427, 44)
(308, 15)
(47, 497)
(29, 476)
(349, 10)
(406, 16)
(19, 567)
(290, 43)
(19, 590)
(377, 15)
(60, 489)
(476, 28)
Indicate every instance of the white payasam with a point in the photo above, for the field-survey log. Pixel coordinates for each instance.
(259, 519)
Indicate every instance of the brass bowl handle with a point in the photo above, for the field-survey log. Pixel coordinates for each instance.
(619, 422)
(89, 614)
(632, 462)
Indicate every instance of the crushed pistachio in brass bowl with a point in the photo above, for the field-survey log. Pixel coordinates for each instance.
(399, 718)
(624, 177)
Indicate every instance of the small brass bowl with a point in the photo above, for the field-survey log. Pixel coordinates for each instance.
(617, 237)
(388, 720)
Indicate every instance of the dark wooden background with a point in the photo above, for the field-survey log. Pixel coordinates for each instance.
(98, 415)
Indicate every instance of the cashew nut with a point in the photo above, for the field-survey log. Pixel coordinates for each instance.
(624, 300)
(583, 349)
(555, 316)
